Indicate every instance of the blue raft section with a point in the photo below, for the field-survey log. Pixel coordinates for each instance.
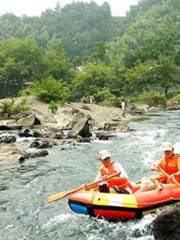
(78, 208)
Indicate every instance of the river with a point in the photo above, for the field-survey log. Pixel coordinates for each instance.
(25, 213)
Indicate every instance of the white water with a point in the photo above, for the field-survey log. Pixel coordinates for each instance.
(25, 213)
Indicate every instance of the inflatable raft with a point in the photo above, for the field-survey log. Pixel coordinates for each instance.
(122, 206)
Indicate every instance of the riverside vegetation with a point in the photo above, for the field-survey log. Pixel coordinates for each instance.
(67, 54)
(77, 53)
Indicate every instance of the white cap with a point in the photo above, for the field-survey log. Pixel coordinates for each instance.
(103, 154)
(167, 146)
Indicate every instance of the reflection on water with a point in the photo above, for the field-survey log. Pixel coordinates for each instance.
(24, 188)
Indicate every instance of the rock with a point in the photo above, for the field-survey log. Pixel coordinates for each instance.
(59, 135)
(81, 139)
(25, 133)
(167, 225)
(9, 153)
(104, 135)
(86, 107)
(36, 153)
(10, 124)
(81, 125)
(174, 107)
(7, 139)
(138, 112)
(123, 128)
(41, 143)
(27, 121)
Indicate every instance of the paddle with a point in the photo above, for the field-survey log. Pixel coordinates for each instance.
(60, 195)
(167, 175)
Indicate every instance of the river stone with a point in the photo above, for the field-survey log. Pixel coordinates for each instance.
(9, 153)
(167, 225)
(7, 139)
(27, 121)
(9, 124)
(80, 125)
(103, 135)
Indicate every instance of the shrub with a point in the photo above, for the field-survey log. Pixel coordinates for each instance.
(50, 89)
(13, 106)
(53, 107)
(176, 98)
(105, 97)
(151, 99)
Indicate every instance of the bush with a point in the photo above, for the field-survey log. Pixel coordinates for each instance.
(53, 107)
(11, 106)
(176, 98)
(153, 99)
(49, 90)
(105, 97)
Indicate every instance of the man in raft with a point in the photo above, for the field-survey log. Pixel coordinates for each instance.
(168, 168)
(119, 184)
(169, 165)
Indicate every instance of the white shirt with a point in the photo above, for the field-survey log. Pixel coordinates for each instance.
(118, 168)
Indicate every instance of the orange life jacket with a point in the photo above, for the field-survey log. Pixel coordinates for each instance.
(170, 165)
(116, 181)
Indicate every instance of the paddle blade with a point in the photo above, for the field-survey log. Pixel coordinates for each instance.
(58, 196)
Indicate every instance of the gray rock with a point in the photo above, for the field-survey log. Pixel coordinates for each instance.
(27, 121)
(10, 124)
(41, 143)
(7, 139)
(36, 153)
(80, 125)
(103, 135)
(167, 225)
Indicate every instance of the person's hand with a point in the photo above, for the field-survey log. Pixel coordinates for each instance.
(171, 177)
(155, 167)
(85, 187)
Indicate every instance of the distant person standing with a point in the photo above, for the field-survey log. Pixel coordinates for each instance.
(123, 107)
(91, 99)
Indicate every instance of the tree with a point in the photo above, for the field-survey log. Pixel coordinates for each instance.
(167, 74)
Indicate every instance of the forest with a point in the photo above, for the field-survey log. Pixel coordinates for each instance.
(70, 53)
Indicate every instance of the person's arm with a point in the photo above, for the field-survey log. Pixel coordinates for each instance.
(98, 177)
(119, 168)
(178, 172)
(155, 166)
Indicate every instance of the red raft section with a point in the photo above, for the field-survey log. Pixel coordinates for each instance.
(123, 206)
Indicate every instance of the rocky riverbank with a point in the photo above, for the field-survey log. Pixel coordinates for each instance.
(30, 133)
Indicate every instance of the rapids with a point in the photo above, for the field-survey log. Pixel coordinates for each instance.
(25, 213)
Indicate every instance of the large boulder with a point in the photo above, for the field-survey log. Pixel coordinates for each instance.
(9, 124)
(81, 125)
(167, 225)
(9, 153)
(27, 121)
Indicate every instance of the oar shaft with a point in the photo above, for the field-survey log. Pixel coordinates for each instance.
(60, 195)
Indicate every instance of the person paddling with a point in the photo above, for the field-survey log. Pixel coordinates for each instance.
(168, 168)
(119, 184)
(170, 164)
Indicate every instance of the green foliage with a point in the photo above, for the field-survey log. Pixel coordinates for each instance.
(91, 80)
(11, 106)
(53, 107)
(78, 26)
(153, 99)
(50, 89)
(176, 98)
(121, 56)
(105, 97)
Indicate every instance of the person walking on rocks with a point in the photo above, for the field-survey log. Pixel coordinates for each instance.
(123, 107)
